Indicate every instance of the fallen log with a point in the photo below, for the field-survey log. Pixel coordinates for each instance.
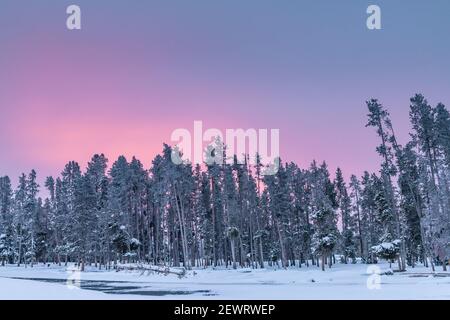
(180, 272)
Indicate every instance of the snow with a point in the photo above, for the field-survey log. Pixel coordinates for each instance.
(326, 239)
(352, 281)
(386, 248)
(383, 247)
(13, 289)
(387, 245)
(135, 241)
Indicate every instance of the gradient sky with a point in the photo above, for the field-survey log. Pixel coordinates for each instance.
(140, 69)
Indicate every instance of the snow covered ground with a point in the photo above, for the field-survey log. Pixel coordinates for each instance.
(352, 281)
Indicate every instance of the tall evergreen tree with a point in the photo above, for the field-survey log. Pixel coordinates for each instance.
(6, 221)
(378, 118)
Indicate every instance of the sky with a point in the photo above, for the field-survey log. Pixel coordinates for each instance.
(137, 70)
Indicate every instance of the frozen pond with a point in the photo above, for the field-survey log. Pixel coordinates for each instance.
(117, 287)
(352, 281)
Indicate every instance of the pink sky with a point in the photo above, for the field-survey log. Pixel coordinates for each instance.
(136, 72)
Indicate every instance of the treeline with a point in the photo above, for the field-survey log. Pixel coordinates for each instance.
(230, 214)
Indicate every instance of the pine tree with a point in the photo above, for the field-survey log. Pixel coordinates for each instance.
(378, 117)
(98, 181)
(238, 215)
(429, 125)
(280, 208)
(66, 193)
(370, 223)
(348, 225)
(31, 216)
(19, 221)
(441, 130)
(323, 213)
(119, 210)
(232, 212)
(6, 221)
(356, 194)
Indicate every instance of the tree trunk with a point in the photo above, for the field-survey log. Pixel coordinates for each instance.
(283, 251)
(358, 215)
(323, 262)
(261, 254)
(180, 210)
(233, 255)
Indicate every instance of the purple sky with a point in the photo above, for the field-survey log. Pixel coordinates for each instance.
(140, 69)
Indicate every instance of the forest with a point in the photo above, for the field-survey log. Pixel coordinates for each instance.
(232, 215)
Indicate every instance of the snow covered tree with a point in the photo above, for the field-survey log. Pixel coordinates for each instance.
(430, 127)
(378, 118)
(355, 195)
(119, 210)
(21, 233)
(280, 207)
(347, 220)
(324, 217)
(65, 191)
(228, 213)
(6, 221)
